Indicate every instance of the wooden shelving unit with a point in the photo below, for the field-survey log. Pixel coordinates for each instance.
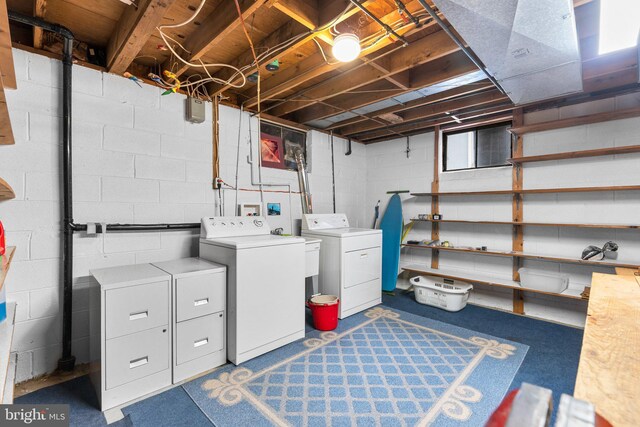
(552, 258)
(533, 191)
(516, 195)
(6, 192)
(577, 154)
(533, 224)
(484, 279)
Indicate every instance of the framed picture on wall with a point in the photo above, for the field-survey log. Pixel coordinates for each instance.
(279, 145)
(271, 151)
(273, 209)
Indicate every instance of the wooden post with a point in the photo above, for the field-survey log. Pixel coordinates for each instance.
(215, 105)
(517, 212)
(435, 200)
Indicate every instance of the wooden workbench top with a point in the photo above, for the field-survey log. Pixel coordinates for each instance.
(610, 359)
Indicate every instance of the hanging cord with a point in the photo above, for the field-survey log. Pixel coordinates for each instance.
(253, 50)
(238, 152)
(333, 173)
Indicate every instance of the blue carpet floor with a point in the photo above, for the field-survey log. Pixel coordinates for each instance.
(551, 362)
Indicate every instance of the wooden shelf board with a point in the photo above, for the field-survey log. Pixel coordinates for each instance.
(577, 154)
(528, 256)
(484, 279)
(532, 224)
(4, 268)
(6, 192)
(534, 191)
(576, 121)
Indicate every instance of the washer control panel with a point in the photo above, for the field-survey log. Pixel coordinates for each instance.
(228, 226)
(324, 221)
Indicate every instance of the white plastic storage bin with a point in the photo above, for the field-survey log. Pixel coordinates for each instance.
(547, 282)
(448, 294)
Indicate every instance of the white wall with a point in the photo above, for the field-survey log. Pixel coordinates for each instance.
(388, 169)
(136, 160)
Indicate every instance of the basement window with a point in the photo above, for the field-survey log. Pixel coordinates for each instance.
(278, 145)
(476, 148)
(619, 25)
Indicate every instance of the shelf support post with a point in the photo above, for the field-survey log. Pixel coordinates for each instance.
(435, 202)
(517, 212)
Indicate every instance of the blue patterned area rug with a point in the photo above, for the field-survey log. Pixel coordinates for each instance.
(380, 367)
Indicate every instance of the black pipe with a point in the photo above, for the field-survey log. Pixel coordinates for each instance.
(387, 28)
(67, 361)
(139, 227)
(333, 173)
(348, 153)
(461, 45)
(403, 8)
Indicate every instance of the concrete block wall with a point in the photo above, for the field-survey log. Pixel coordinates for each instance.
(132, 151)
(388, 168)
(136, 160)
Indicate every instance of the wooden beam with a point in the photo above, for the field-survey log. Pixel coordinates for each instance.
(517, 215)
(7, 70)
(419, 52)
(39, 11)
(435, 200)
(304, 11)
(215, 28)
(426, 75)
(132, 32)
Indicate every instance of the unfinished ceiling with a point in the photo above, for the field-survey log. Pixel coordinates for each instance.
(393, 89)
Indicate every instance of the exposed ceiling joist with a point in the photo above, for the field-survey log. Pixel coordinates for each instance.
(419, 52)
(438, 97)
(448, 67)
(39, 11)
(316, 65)
(215, 28)
(431, 110)
(132, 32)
(420, 126)
(282, 34)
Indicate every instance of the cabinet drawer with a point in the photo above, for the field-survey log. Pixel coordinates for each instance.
(136, 308)
(360, 294)
(199, 337)
(361, 266)
(200, 295)
(136, 356)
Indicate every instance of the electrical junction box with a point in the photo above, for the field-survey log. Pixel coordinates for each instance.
(195, 110)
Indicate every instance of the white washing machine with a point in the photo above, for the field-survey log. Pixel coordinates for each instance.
(350, 261)
(265, 283)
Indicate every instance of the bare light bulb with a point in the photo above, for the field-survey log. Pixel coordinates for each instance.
(346, 47)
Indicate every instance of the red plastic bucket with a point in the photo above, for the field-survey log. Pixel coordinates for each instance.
(324, 309)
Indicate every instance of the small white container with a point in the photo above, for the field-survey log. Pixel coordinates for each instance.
(448, 294)
(547, 282)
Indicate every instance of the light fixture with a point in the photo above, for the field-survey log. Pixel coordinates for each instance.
(346, 47)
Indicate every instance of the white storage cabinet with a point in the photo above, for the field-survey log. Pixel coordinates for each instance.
(130, 336)
(198, 290)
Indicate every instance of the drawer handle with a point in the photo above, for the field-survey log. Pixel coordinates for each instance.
(199, 302)
(139, 315)
(200, 343)
(138, 362)
(364, 255)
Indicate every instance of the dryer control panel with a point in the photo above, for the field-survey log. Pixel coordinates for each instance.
(324, 221)
(230, 226)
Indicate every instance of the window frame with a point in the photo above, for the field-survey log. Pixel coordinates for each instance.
(475, 131)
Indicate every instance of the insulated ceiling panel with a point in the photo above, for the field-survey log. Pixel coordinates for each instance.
(523, 43)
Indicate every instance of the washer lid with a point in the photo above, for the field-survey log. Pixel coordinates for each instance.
(342, 232)
(246, 242)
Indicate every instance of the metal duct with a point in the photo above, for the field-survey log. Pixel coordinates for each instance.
(529, 46)
(303, 181)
